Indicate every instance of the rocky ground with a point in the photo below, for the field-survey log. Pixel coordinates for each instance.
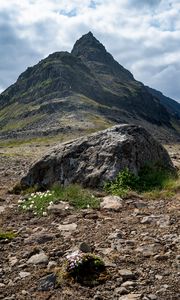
(140, 243)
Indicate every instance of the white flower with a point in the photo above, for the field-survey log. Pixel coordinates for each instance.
(24, 207)
(44, 213)
(32, 201)
(20, 201)
(50, 203)
(88, 206)
(31, 206)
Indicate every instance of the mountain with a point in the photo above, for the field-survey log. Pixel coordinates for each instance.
(82, 91)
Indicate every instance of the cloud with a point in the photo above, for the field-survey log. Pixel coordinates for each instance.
(142, 35)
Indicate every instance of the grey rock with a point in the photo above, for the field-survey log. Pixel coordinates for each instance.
(146, 250)
(152, 297)
(51, 265)
(128, 283)
(131, 297)
(97, 158)
(38, 259)
(67, 227)
(47, 283)
(39, 238)
(120, 291)
(126, 274)
(24, 274)
(84, 247)
(62, 208)
(13, 261)
(113, 203)
(98, 296)
(2, 209)
(140, 204)
(161, 220)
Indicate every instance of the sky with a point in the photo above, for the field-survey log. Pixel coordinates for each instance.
(142, 35)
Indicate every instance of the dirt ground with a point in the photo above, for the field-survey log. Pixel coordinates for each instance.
(143, 238)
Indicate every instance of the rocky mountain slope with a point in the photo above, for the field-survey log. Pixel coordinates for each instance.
(139, 243)
(82, 91)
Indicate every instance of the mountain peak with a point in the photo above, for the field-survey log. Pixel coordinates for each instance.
(86, 45)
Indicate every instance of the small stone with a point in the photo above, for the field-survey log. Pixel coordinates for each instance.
(38, 259)
(51, 265)
(13, 260)
(98, 296)
(62, 208)
(47, 283)
(152, 297)
(128, 283)
(2, 285)
(2, 209)
(67, 227)
(161, 257)
(131, 297)
(113, 203)
(164, 221)
(24, 274)
(120, 291)
(126, 274)
(84, 247)
(24, 292)
(148, 220)
(39, 238)
(140, 204)
(159, 277)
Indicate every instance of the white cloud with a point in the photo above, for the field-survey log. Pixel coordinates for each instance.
(143, 35)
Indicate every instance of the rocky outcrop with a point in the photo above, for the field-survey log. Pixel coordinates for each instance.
(97, 158)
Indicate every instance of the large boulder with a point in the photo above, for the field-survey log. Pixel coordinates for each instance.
(97, 158)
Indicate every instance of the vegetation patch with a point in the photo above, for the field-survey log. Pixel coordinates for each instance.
(74, 194)
(7, 235)
(84, 268)
(151, 179)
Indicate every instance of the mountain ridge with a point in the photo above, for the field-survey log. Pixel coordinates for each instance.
(88, 84)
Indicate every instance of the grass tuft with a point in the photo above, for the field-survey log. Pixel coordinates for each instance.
(74, 194)
(7, 235)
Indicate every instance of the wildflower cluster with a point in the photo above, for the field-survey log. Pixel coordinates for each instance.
(37, 202)
(74, 260)
(85, 268)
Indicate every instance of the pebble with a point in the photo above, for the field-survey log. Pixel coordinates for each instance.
(24, 274)
(128, 283)
(130, 297)
(67, 227)
(126, 274)
(120, 291)
(152, 297)
(51, 265)
(113, 203)
(84, 247)
(38, 259)
(47, 283)
(13, 260)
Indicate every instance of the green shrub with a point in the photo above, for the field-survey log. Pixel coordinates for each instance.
(150, 177)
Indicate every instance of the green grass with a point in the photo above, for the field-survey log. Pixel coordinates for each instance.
(7, 235)
(152, 181)
(74, 194)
